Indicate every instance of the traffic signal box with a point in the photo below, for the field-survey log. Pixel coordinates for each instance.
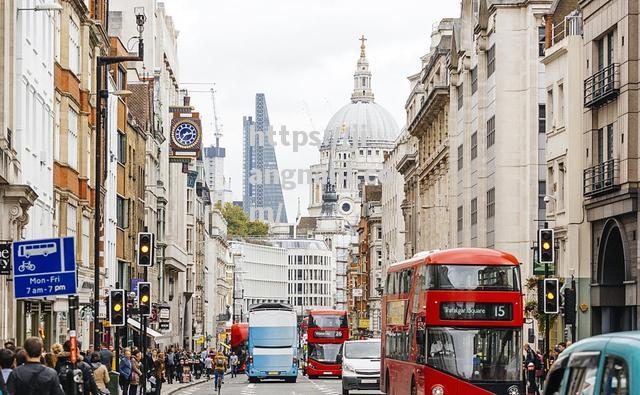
(117, 307)
(570, 306)
(146, 249)
(551, 288)
(144, 298)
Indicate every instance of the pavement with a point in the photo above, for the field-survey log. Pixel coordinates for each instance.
(241, 386)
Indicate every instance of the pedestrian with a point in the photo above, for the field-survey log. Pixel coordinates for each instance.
(169, 364)
(208, 366)
(233, 362)
(136, 357)
(106, 356)
(100, 373)
(531, 363)
(33, 378)
(50, 360)
(64, 365)
(7, 358)
(159, 372)
(125, 371)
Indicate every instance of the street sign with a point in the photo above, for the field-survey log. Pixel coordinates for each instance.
(163, 313)
(5, 259)
(163, 325)
(44, 268)
(357, 292)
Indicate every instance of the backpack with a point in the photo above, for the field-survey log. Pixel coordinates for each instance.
(65, 376)
(219, 363)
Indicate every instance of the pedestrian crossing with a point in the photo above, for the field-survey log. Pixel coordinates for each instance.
(249, 390)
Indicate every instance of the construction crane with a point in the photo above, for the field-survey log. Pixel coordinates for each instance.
(216, 126)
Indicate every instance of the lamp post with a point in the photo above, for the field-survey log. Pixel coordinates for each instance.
(102, 61)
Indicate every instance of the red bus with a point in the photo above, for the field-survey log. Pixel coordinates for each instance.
(452, 324)
(326, 332)
(239, 338)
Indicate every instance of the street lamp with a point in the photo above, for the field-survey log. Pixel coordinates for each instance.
(102, 61)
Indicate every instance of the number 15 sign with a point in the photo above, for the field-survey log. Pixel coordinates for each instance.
(44, 268)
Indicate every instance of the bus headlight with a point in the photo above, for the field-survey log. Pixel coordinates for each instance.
(437, 390)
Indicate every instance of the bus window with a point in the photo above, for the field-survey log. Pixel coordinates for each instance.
(390, 284)
(477, 277)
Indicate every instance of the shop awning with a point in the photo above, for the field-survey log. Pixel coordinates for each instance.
(150, 332)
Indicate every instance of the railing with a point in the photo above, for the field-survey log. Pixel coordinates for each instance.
(601, 178)
(571, 25)
(602, 87)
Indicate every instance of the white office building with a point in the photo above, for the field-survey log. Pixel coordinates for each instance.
(311, 274)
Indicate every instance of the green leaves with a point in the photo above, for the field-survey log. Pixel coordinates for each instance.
(238, 223)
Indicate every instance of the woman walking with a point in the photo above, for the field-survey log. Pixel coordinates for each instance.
(135, 372)
(100, 373)
(159, 372)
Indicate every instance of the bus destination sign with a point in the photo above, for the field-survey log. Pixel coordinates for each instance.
(474, 311)
(327, 334)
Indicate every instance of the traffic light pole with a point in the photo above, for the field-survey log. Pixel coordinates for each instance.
(143, 341)
(546, 316)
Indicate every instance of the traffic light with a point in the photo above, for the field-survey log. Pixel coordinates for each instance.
(146, 249)
(144, 298)
(117, 307)
(569, 306)
(546, 246)
(551, 296)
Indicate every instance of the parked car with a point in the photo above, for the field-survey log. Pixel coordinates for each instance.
(360, 365)
(607, 364)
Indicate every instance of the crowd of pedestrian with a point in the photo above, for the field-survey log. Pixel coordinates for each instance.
(534, 366)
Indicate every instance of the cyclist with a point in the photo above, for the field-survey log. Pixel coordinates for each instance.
(220, 367)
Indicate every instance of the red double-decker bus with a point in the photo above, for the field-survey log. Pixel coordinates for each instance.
(326, 332)
(452, 324)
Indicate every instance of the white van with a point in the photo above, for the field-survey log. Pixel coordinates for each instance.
(360, 365)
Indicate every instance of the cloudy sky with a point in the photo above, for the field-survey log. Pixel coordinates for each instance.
(301, 54)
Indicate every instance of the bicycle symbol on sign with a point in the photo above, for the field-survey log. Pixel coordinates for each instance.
(26, 265)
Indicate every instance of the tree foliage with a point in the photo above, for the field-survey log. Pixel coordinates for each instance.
(238, 224)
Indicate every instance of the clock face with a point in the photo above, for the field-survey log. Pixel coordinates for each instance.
(185, 135)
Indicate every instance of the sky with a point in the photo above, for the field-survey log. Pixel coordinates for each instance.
(302, 55)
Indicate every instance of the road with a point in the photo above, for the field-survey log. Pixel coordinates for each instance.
(241, 386)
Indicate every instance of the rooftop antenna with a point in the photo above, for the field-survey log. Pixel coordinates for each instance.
(216, 126)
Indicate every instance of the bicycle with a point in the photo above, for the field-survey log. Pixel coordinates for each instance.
(218, 377)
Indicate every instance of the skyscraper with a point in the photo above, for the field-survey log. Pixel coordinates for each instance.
(261, 189)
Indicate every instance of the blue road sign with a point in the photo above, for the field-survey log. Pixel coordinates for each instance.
(44, 268)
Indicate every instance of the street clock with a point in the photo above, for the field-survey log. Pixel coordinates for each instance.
(185, 135)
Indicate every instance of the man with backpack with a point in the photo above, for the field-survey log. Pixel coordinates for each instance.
(33, 378)
(170, 365)
(220, 367)
(66, 371)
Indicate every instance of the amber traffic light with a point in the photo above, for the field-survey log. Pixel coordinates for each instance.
(144, 298)
(117, 307)
(146, 244)
(546, 246)
(551, 296)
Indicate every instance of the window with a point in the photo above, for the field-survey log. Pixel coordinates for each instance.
(190, 201)
(615, 379)
(72, 141)
(610, 141)
(56, 134)
(583, 371)
(561, 180)
(491, 131)
(460, 156)
(542, 112)
(460, 222)
(122, 212)
(72, 220)
(541, 40)
(474, 80)
(474, 145)
(122, 148)
(190, 239)
(122, 80)
(474, 211)
(491, 203)
(85, 240)
(88, 150)
(460, 92)
(379, 257)
(379, 232)
(74, 47)
(491, 60)
(561, 104)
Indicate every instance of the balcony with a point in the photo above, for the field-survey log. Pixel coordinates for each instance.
(601, 178)
(223, 317)
(602, 87)
(571, 25)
